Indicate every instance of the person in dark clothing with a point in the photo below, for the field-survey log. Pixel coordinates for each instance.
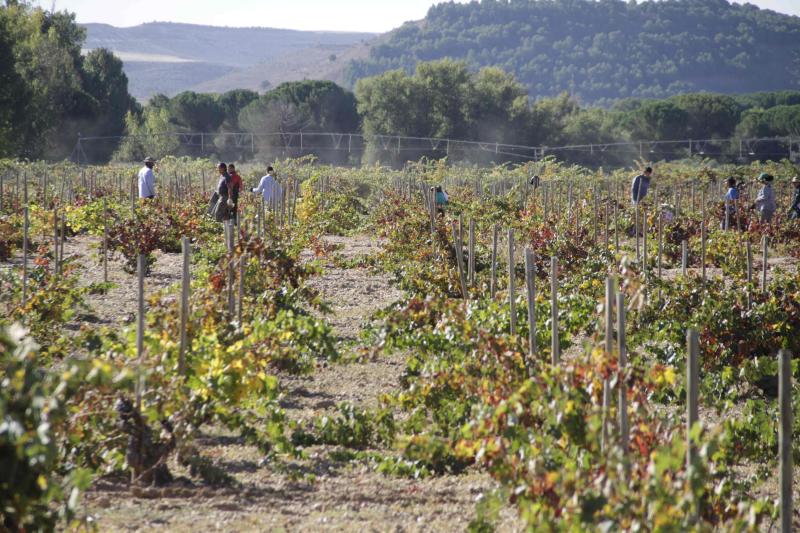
(640, 185)
(794, 210)
(223, 190)
(235, 189)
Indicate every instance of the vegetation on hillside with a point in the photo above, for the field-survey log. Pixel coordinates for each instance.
(604, 50)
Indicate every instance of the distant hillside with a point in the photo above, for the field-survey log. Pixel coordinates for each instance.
(605, 49)
(319, 62)
(170, 58)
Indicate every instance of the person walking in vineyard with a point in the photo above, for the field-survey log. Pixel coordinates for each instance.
(731, 200)
(267, 187)
(765, 201)
(640, 185)
(235, 189)
(440, 199)
(224, 202)
(794, 210)
(147, 180)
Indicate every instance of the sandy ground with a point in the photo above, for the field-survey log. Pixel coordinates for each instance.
(317, 493)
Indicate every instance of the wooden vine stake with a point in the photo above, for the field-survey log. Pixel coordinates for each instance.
(242, 264)
(55, 240)
(471, 252)
(432, 207)
(692, 391)
(105, 241)
(25, 245)
(660, 242)
(764, 263)
(555, 346)
(63, 238)
(231, 271)
(624, 430)
(609, 346)
(530, 281)
(185, 287)
(785, 437)
(616, 230)
(493, 283)
(636, 231)
(684, 257)
(512, 289)
(703, 249)
(140, 269)
(459, 261)
(749, 274)
(644, 246)
(605, 219)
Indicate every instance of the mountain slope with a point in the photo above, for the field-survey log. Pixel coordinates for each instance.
(170, 58)
(319, 63)
(605, 49)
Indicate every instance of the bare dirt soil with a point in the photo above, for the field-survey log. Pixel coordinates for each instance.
(118, 305)
(318, 493)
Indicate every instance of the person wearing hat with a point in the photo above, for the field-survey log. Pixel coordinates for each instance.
(147, 180)
(794, 210)
(765, 201)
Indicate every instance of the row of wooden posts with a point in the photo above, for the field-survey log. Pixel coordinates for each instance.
(467, 275)
(175, 189)
(282, 207)
(616, 300)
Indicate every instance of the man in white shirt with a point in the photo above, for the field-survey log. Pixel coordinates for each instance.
(147, 180)
(268, 187)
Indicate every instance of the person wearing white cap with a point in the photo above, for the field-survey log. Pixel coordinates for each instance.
(147, 180)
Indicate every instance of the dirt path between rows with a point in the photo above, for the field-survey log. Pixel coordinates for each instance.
(117, 306)
(319, 493)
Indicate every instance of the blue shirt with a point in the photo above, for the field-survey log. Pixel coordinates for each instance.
(732, 194)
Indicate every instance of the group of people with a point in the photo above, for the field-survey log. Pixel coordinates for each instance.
(764, 203)
(225, 200)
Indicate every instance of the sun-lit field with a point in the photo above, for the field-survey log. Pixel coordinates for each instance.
(347, 357)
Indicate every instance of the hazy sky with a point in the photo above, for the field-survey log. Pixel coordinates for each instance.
(336, 15)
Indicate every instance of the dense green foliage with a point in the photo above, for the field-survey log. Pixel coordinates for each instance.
(50, 93)
(307, 106)
(445, 99)
(604, 50)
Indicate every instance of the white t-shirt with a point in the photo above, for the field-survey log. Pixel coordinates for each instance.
(147, 182)
(268, 187)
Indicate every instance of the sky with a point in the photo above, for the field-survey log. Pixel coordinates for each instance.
(375, 16)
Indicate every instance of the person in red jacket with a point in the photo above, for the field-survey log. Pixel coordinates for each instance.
(236, 188)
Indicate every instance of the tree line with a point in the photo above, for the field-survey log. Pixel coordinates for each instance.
(602, 50)
(49, 91)
(447, 99)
